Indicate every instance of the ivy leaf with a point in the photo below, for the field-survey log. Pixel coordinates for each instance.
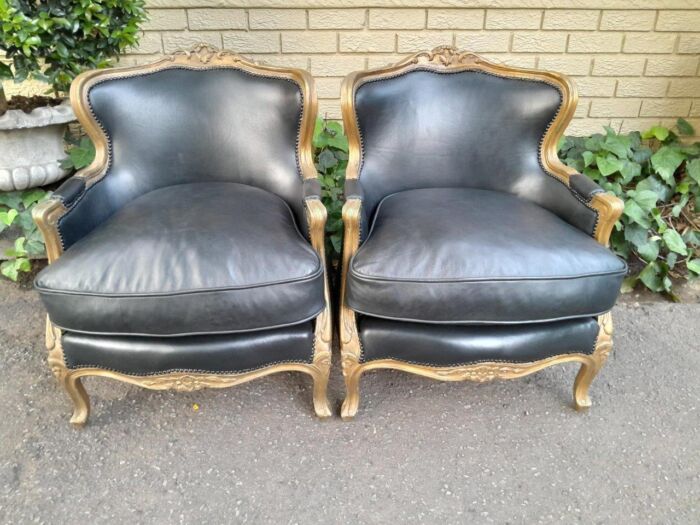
(5, 72)
(649, 251)
(635, 234)
(684, 127)
(646, 199)
(693, 169)
(326, 159)
(617, 144)
(8, 217)
(32, 196)
(694, 266)
(608, 165)
(652, 277)
(641, 154)
(678, 208)
(630, 170)
(666, 161)
(636, 213)
(656, 132)
(675, 242)
(652, 183)
(588, 158)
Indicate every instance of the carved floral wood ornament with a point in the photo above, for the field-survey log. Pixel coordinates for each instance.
(48, 213)
(608, 208)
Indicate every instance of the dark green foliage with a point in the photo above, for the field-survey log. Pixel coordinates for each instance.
(55, 40)
(331, 159)
(658, 178)
(16, 210)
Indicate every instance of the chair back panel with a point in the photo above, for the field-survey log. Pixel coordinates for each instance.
(181, 125)
(425, 128)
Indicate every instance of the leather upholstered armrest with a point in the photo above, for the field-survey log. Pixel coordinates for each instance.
(312, 189)
(607, 206)
(584, 186)
(353, 192)
(69, 192)
(353, 189)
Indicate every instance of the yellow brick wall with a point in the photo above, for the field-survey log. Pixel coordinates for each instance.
(635, 62)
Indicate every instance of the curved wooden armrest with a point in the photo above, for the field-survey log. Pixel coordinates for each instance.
(609, 209)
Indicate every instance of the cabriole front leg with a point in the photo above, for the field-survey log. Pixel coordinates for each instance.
(68, 380)
(589, 370)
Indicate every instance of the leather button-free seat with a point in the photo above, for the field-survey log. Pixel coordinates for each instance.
(457, 255)
(197, 258)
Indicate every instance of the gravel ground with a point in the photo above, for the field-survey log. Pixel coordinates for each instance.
(419, 451)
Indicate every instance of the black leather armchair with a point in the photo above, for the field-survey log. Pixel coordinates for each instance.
(470, 251)
(190, 254)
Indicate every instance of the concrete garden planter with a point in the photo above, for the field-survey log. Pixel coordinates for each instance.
(31, 145)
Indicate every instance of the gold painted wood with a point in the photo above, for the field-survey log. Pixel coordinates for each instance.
(608, 207)
(489, 371)
(47, 214)
(70, 379)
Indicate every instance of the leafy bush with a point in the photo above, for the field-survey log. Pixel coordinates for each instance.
(658, 178)
(54, 40)
(16, 210)
(331, 159)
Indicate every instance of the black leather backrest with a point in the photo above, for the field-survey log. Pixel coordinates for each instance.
(425, 129)
(182, 125)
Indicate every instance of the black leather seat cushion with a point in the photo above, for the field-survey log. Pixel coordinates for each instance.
(453, 345)
(453, 255)
(218, 353)
(195, 258)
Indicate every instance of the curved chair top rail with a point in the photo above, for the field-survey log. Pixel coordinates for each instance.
(202, 57)
(451, 60)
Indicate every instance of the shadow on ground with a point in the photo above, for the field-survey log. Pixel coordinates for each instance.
(419, 451)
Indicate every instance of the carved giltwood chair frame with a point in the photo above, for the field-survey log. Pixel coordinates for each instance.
(608, 208)
(48, 213)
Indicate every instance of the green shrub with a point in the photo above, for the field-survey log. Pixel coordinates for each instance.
(331, 159)
(658, 178)
(16, 210)
(54, 40)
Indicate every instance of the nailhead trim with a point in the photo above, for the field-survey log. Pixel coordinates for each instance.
(539, 148)
(481, 361)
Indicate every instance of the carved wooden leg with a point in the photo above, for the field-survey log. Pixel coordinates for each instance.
(352, 372)
(67, 379)
(81, 400)
(600, 355)
(321, 405)
(583, 381)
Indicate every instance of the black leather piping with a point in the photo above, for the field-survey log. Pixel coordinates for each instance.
(478, 322)
(185, 334)
(311, 277)
(107, 167)
(539, 148)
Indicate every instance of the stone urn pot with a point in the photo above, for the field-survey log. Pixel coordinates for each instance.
(31, 146)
